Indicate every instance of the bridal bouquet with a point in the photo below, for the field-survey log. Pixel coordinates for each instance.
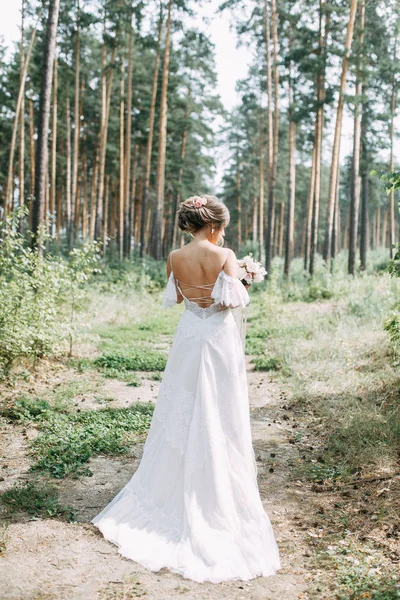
(250, 270)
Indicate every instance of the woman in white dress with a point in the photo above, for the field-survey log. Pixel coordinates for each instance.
(193, 504)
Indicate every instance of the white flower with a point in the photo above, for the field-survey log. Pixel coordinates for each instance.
(252, 267)
(241, 273)
(258, 277)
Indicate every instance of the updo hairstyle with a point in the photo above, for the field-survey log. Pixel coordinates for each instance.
(194, 213)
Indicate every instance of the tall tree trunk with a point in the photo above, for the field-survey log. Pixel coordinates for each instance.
(273, 132)
(310, 202)
(254, 234)
(54, 141)
(22, 118)
(384, 229)
(270, 134)
(75, 148)
(364, 191)
(391, 166)
(106, 103)
(289, 246)
(132, 204)
(281, 229)
(9, 185)
(31, 149)
(338, 132)
(162, 141)
(103, 112)
(356, 179)
(121, 163)
(320, 118)
(68, 171)
(105, 213)
(84, 191)
(239, 205)
(261, 188)
(143, 224)
(180, 174)
(43, 125)
(93, 191)
(128, 213)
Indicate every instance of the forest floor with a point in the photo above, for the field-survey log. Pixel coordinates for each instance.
(337, 530)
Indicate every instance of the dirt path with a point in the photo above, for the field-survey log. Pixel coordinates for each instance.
(50, 559)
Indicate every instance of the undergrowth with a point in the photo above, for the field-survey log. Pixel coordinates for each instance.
(38, 499)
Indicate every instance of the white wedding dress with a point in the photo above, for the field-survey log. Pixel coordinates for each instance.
(193, 504)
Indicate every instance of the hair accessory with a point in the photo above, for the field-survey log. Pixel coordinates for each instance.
(199, 201)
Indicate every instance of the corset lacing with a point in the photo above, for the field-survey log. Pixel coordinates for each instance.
(191, 303)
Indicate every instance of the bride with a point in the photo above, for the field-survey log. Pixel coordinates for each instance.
(193, 504)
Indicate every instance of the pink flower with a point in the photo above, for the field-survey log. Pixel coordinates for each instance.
(199, 201)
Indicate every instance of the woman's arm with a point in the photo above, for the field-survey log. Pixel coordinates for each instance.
(231, 266)
(169, 269)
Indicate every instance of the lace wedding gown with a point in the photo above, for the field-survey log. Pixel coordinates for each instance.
(193, 504)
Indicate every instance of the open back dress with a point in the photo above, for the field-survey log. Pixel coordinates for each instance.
(193, 505)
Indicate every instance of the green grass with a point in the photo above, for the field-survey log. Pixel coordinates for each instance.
(138, 359)
(67, 441)
(359, 574)
(267, 363)
(38, 499)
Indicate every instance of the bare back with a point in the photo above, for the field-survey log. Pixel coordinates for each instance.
(196, 267)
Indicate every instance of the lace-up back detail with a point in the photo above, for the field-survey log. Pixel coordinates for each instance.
(202, 301)
(226, 292)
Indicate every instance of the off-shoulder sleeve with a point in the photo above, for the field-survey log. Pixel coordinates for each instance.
(170, 296)
(230, 291)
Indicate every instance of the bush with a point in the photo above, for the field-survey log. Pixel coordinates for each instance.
(68, 441)
(38, 296)
(140, 359)
(38, 499)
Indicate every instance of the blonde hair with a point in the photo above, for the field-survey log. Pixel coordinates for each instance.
(214, 213)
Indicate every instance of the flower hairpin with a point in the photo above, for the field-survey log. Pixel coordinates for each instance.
(199, 201)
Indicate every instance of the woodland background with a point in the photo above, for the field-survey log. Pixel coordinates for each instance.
(127, 90)
(109, 116)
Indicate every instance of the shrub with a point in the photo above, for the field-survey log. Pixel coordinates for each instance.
(38, 296)
(38, 499)
(68, 441)
(139, 359)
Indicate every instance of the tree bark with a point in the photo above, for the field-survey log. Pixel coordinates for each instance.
(270, 133)
(43, 124)
(162, 142)
(364, 192)
(75, 145)
(31, 149)
(180, 174)
(261, 189)
(106, 90)
(391, 166)
(128, 212)
(121, 163)
(310, 202)
(273, 129)
(239, 205)
(9, 185)
(22, 118)
(338, 132)
(143, 225)
(356, 178)
(68, 173)
(289, 246)
(54, 141)
(319, 128)
(93, 191)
